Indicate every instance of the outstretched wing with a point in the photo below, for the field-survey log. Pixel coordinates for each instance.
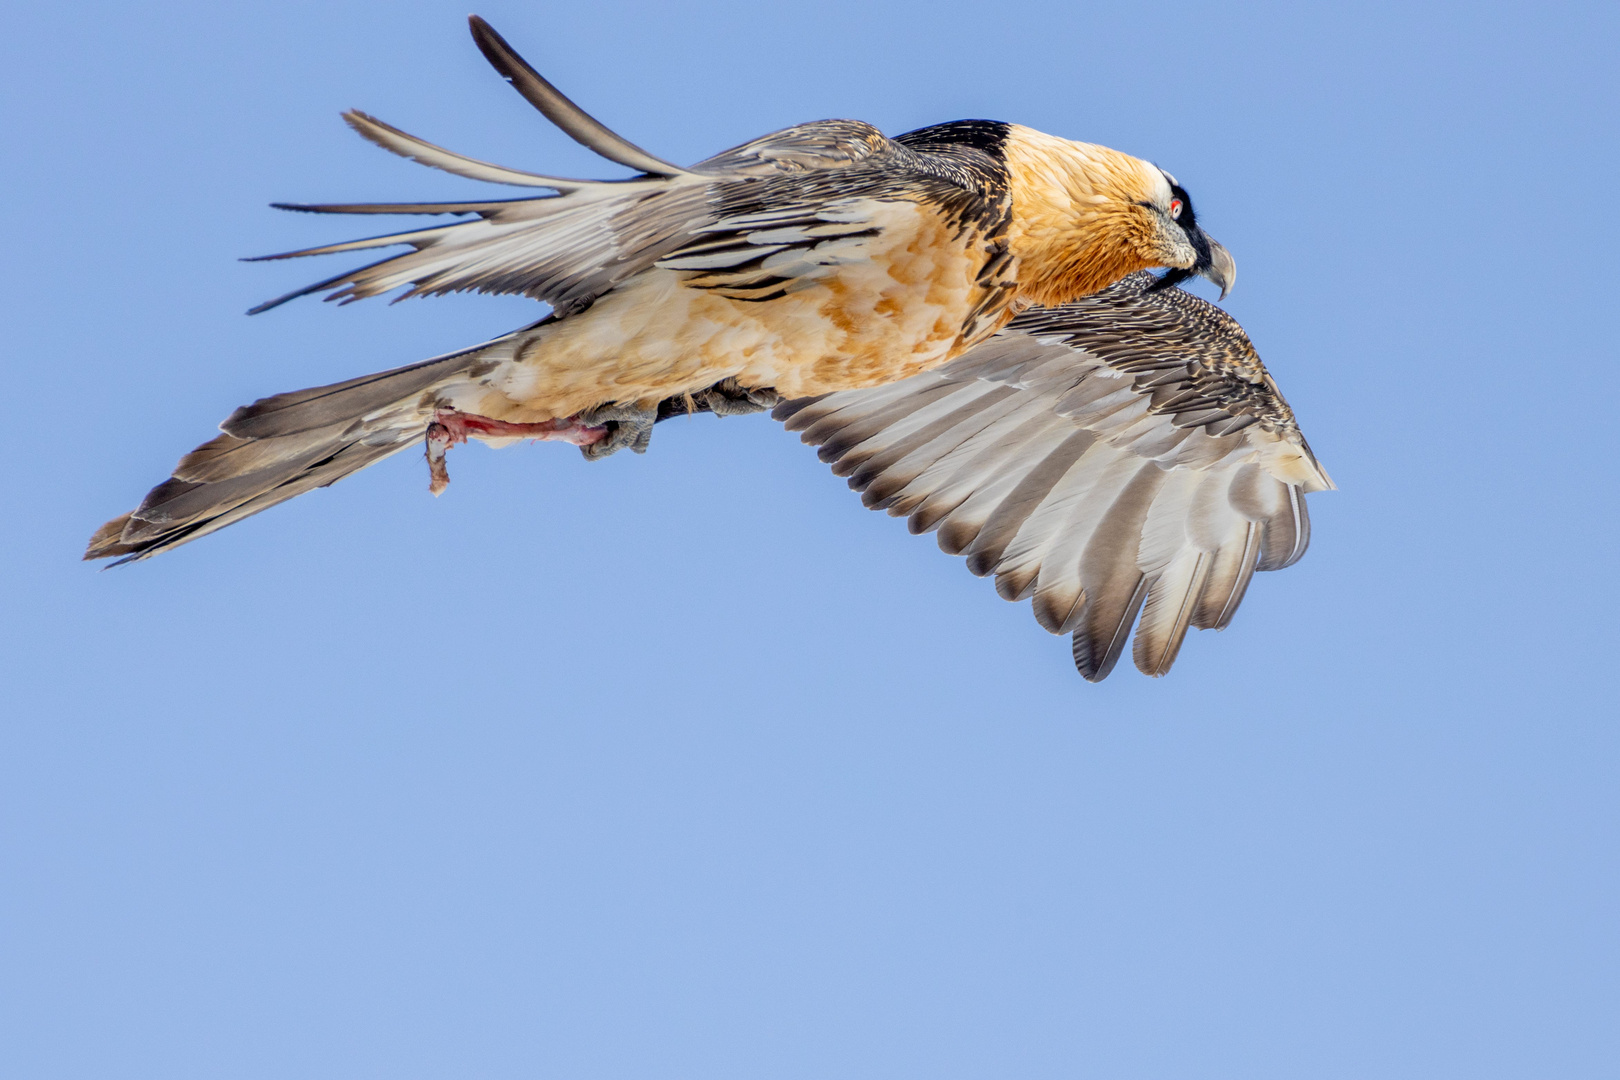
(783, 207)
(1124, 455)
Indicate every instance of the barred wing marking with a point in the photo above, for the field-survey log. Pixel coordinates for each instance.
(1122, 460)
(763, 255)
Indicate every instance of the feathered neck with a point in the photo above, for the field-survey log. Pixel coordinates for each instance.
(1077, 220)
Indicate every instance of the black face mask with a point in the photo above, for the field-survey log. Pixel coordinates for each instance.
(1195, 236)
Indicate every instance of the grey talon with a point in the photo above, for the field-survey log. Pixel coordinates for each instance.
(728, 397)
(628, 427)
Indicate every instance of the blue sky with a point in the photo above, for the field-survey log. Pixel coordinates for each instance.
(685, 765)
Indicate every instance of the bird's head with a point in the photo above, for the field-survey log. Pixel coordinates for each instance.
(1084, 216)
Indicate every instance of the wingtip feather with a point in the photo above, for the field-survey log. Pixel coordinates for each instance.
(555, 106)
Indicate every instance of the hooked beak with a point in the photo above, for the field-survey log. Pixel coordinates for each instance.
(1215, 263)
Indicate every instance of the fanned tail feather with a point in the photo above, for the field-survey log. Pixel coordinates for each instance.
(277, 448)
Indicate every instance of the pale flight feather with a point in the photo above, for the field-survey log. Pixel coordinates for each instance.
(1123, 457)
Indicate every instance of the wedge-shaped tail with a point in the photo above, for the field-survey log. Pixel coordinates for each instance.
(279, 447)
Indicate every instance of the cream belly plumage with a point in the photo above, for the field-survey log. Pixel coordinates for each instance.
(896, 304)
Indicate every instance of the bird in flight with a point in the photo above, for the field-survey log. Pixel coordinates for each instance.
(960, 317)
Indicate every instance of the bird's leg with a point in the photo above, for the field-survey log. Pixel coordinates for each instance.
(627, 426)
(728, 397)
(450, 427)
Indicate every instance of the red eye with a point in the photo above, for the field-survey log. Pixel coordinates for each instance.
(1175, 208)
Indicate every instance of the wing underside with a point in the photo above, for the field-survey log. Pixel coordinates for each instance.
(1145, 491)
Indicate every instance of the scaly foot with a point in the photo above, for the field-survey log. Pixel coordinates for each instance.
(627, 426)
(728, 397)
